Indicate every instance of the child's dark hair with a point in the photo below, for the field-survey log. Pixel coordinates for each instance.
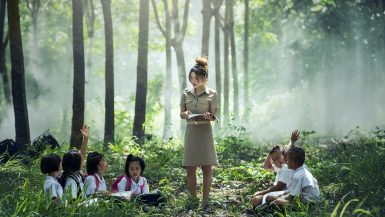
(93, 160)
(277, 148)
(130, 158)
(72, 161)
(297, 154)
(50, 163)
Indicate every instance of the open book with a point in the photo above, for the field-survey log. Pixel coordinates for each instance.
(199, 115)
(123, 195)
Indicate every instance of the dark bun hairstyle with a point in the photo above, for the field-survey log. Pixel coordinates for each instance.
(200, 68)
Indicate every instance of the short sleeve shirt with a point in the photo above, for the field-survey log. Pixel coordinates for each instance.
(72, 185)
(90, 184)
(303, 184)
(205, 102)
(283, 174)
(52, 188)
(135, 187)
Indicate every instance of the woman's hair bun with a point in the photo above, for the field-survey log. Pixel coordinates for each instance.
(202, 61)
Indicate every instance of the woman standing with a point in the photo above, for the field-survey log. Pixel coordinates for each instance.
(199, 147)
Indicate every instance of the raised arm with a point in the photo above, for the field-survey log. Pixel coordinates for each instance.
(268, 165)
(84, 147)
(294, 137)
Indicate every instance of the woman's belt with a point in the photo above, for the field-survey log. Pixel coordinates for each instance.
(198, 122)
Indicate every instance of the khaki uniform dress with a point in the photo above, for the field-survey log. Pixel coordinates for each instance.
(199, 147)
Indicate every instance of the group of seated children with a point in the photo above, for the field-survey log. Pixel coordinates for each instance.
(293, 177)
(67, 174)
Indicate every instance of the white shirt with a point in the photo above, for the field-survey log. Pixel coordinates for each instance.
(135, 187)
(283, 174)
(73, 187)
(90, 184)
(52, 188)
(303, 184)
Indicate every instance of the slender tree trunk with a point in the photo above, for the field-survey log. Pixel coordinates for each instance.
(109, 126)
(206, 12)
(79, 74)
(218, 78)
(17, 72)
(166, 32)
(246, 61)
(3, 46)
(226, 66)
(141, 84)
(181, 66)
(34, 7)
(234, 62)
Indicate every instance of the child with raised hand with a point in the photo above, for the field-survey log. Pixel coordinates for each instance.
(133, 180)
(96, 168)
(72, 178)
(302, 183)
(275, 161)
(51, 165)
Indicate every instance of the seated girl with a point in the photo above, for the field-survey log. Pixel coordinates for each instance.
(51, 165)
(96, 168)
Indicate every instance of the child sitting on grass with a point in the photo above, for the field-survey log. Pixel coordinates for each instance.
(302, 183)
(275, 161)
(51, 165)
(96, 168)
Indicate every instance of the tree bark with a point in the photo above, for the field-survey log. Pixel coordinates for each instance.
(109, 126)
(233, 62)
(3, 46)
(246, 61)
(206, 12)
(79, 74)
(218, 83)
(226, 65)
(17, 72)
(141, 84)
(166, 32)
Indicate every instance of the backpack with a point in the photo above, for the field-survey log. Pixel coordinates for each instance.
(128, 184)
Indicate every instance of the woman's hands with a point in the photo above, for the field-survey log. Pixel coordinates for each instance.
(208, 116)
(184, 115)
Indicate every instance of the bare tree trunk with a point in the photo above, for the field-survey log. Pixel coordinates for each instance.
(226, 65)
(34, 7)
(141, 84)
(79, 74)
(109, 126)
(17, 72)
(246, 61)
(166, 32)
(206, 12)
(234, 62)
(89, 10)
(218, 83)
(3, 46)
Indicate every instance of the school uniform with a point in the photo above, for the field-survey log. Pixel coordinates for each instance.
(52, 188)
(90, 184)
(74, 183)
(304, 185)
(135, 187)
(199, 146)
(284, 175)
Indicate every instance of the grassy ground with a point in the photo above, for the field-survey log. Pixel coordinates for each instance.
(349, 171)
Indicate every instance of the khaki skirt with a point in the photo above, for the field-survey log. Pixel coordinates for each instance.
(199, 147)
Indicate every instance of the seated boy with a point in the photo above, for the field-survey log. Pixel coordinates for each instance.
(302, 183)
(275, 161)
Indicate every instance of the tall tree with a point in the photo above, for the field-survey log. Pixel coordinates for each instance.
(89, 10)
(141, 72)
(177, 41)
(218, 83)
(166, 32)
(79, 74)
(3, 46)
(208, 12)
(109, 126)
(246, 60)
(233, 60)
(226, 63)
(17, 74)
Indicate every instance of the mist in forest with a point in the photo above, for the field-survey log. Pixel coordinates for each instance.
(330, 85)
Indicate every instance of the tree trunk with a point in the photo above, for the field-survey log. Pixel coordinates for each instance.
(181, 65)
(233, 62)
(166, 32)
(141, 84)
(3, 46)
(246, 61)
(17, 72)
(206, 12)
(218, 83)
(226, 66)
(79, 74)
(109, 125)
